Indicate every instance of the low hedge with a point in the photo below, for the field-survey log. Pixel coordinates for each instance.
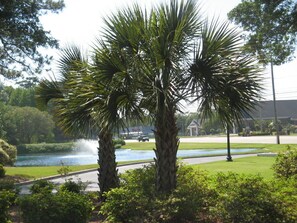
(45, 148)
(62, 207)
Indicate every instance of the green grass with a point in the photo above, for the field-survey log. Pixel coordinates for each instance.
(248, 165)
(191, 145)
(42, 171)
(36, 172)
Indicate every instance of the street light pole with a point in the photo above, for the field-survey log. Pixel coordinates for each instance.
(274, 105)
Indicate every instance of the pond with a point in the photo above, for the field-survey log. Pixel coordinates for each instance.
(82, 158)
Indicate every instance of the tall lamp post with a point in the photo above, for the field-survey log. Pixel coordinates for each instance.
(274, 104)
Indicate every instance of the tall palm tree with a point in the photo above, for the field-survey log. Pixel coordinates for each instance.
(158, 46)
(86, 99)
(228, 82)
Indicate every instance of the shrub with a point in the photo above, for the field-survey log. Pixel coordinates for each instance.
(7, 153)
(71, 186)
(246, 199)
(137, 200)
(285, 190)
(64, 170)
(132, 201)
(45, 148)
(7, 184)
(42, 186)
(2, 171)
(285, 165)
(7, 198)
(63, 207)
(118, 143)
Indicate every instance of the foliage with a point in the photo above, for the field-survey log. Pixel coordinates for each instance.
(7, 199)
(141, 67)
(286, 164)
(20, 97)
(64, 170)
(120, 142)
(23, 125)
(74, 187)
(137, 200)
(270, 28)
(42, 186)
(22, 35)
(2, 171)
(63, 207)
(45, 148)
(7, 184)
(246, 199)
(226, 197)
(285, 190)
(7, 153)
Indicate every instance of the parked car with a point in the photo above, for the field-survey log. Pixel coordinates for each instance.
(143, 138)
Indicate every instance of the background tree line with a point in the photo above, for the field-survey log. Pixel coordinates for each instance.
(21, 122)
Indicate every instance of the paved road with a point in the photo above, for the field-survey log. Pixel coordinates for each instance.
(91, 179)
(238, 139)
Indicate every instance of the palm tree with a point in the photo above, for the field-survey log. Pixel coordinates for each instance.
(86, 99)
(157, 47)
(228, 81)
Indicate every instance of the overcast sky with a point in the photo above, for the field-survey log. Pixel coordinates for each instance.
(81, 21)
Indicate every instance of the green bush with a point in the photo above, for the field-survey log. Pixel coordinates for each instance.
(2, 171)
(71, 186)
(285, 165)
(7, 198)
(246, 199)
(63, 207)
(7, 184)
(118, 143)
(42, 186)
(45, 148)
(131, 202)
(137, 200)
(7, 153)
(285, 190)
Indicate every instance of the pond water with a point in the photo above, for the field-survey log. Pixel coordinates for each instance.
(82, 158)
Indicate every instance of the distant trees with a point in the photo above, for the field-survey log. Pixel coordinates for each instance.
(18, 96)
(22, 34)
(26, 125)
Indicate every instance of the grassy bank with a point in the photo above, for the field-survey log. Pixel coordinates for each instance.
(249, 165)
(192, 145)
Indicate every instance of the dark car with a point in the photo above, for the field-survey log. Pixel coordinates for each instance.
(143, 138)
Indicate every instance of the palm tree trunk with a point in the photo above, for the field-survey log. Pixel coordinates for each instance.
(107, 171)
(166, 148)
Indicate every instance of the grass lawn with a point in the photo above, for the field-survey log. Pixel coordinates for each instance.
(248, 165)
(42, 171)
(191, 145)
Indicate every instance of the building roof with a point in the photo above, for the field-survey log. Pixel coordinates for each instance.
(265, 109)
(194, 124)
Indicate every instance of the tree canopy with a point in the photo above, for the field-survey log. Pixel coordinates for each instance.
(271, 28)
(22, 35)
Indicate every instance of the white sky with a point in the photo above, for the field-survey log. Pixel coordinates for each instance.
(81, 20)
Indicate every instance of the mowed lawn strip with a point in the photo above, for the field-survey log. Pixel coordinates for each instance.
(198, 145)
(248, 165)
